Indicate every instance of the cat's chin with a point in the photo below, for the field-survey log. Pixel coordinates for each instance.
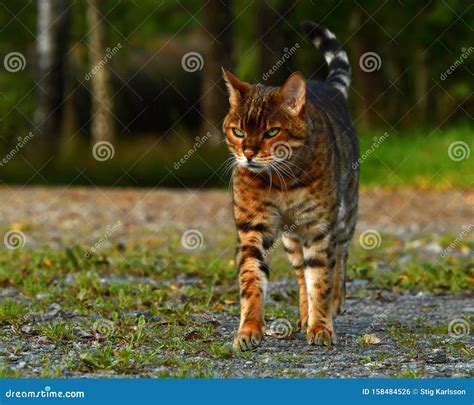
(254, 167)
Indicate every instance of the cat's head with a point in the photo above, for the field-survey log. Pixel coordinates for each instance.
(265, 125)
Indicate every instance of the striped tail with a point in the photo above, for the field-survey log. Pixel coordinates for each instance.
(339, 70)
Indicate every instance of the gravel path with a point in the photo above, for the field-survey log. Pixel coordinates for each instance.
(352, 358)
(398, 326)
(52, 216)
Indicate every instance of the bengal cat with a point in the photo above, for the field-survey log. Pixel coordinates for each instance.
(295, 176)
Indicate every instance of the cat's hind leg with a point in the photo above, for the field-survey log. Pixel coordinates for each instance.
(345, 232)
(339, 287)
(294, 251)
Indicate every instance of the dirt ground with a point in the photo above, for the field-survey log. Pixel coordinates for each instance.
(51, 211)
(411, 340)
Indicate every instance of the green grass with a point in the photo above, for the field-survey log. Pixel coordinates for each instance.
(151, 328)
(417, 158)
(57, 331)
(397, 267)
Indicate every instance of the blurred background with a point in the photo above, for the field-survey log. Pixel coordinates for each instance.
(129, 93)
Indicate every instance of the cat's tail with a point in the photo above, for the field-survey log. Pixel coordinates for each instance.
(339, 70)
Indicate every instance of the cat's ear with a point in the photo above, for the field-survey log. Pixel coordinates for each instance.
(236, 87)
(293, 93)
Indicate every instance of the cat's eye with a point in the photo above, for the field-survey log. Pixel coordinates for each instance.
(272, 132)
(238, 132)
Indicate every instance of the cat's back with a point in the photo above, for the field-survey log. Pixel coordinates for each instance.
(330, 107)
(330, 101)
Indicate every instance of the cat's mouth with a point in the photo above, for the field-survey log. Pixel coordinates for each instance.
(254, 166)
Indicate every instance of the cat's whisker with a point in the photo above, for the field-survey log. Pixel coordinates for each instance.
(229, 167)
(285, 168)
(269, 171)
(280, 177)
(289, 162)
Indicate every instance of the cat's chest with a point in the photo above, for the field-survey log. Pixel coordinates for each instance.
(299, 208)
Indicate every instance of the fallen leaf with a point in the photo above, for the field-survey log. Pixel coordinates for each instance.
(24, 272)
(369, 339)
(47, 263)
(7, 283)
(191, 335)
(397, 244)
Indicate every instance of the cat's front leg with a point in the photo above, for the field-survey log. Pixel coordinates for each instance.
(319, 268)
(255, 240)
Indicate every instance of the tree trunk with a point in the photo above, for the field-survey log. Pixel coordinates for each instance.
(421, 85)
(102, 125)
(218, 17)
(364, 82)
(275, 48)
(51, 48)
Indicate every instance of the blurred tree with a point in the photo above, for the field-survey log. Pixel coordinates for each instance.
(273, 40)
(102, 127)
(51, 47)
(218, 20)
(364, 80)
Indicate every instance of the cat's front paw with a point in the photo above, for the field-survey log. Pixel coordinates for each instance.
(321, 335)
(248, 337)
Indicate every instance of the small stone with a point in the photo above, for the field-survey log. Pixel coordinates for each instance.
(433, 247)
(27, 329)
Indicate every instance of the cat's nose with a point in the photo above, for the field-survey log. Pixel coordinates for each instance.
(249, 154)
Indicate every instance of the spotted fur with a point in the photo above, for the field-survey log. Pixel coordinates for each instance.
(295, 177)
